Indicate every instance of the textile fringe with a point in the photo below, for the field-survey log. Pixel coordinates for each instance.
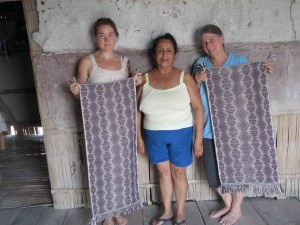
(251, 188)
(93, 222)
(123, 211)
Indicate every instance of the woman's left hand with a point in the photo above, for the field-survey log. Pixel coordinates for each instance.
(198, 148)
(268, 66)
(138, 77)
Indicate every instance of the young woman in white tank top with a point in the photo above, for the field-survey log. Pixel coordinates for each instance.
(104, 65)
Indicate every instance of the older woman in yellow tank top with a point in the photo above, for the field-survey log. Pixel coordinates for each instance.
(171, 104)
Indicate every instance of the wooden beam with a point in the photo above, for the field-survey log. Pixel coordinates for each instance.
(17, 91)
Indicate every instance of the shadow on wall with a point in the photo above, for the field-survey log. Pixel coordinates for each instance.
(13, 35)
(18, 100)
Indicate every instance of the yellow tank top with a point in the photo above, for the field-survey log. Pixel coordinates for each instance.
(168, 109)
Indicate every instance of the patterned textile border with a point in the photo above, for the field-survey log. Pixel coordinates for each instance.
(109, 119)
(243, 133)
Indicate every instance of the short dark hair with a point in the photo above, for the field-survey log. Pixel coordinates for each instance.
(105, 21)
(212, 29)
(166, 36)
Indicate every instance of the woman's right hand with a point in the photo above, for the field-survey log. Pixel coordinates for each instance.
(201, 76)
(140, 146)
(75, 88)
(138, 77)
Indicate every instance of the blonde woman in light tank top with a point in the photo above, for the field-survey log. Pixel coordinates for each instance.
(171, 104)
(104, 65)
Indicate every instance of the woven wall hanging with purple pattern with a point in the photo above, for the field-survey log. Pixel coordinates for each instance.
(242, 126)
(109, 119)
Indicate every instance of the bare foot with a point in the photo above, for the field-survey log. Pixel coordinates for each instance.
(231, 217)
(220, 212)
(121, 220)
(108, 221)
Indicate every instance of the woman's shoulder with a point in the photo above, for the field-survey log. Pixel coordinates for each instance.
(180, 73)
(238, 58)
(201, 60)
(144, 79)
(86, 60)
(87, 57)
(187, 76)
(120, 57)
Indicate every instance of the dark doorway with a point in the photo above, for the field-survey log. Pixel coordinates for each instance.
(24, 177)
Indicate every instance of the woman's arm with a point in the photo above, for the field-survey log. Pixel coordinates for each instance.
(198, 113)
(84, 69)
(137, 75)
(140, 142)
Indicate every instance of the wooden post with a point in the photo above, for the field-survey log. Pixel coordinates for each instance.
(67, 169)
(2, 141)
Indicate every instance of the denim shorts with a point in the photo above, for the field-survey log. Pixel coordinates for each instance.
(170, 145)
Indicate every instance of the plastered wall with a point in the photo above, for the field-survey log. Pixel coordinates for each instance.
(65, 25)
(253, 28)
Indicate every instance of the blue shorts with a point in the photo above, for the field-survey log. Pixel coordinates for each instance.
(170, 145)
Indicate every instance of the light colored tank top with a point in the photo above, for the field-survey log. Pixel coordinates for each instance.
(168, 109)
(100, 75)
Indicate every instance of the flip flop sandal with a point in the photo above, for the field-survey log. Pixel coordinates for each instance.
(164, 220)
(180, 223)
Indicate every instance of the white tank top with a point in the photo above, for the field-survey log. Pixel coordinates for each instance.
(100, 75)
(168, 109)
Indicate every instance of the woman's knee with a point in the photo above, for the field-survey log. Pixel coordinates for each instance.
(178, 173)
(164, 172)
